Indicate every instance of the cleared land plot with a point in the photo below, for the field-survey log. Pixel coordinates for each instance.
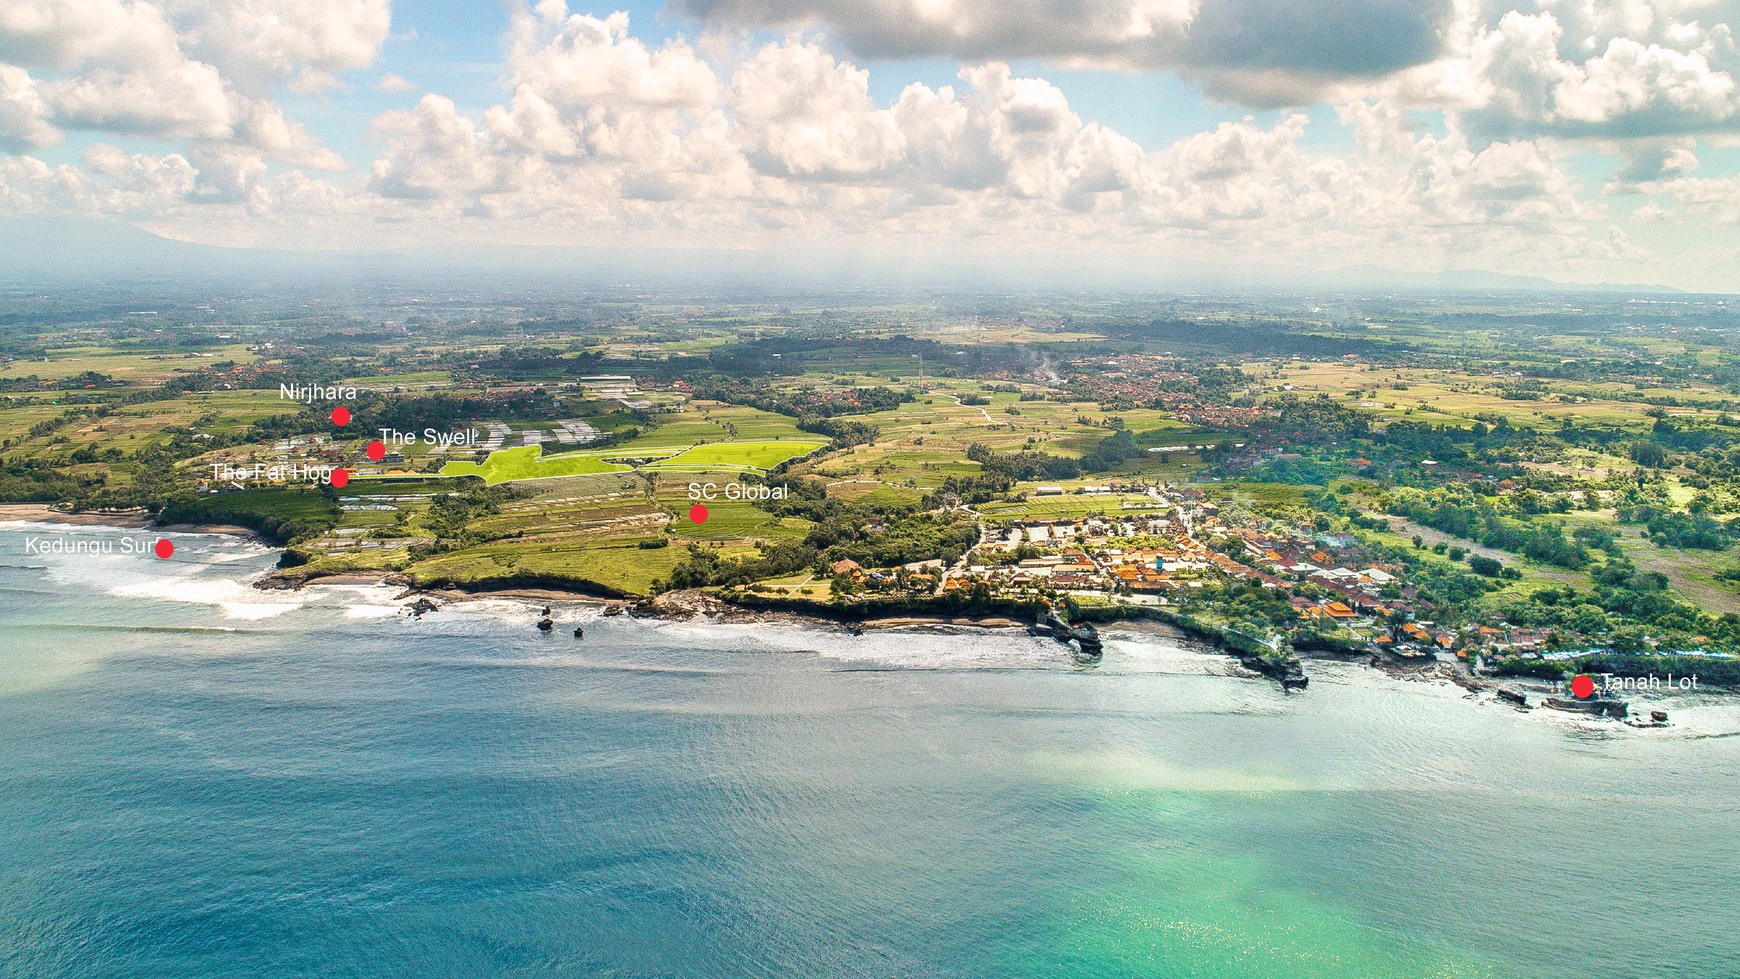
(131, 366)
(1447, 397)
(715, 422)
(1070, 505)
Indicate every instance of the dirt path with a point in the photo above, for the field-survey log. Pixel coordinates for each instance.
(975, 408)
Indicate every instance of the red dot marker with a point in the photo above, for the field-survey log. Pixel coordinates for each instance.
(698, 513)
(164, 548)
(340, 479)
(341, 416)
(377, 450)
(1583, 688)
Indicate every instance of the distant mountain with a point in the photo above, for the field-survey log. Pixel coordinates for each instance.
(45, 251)
(1469, 280)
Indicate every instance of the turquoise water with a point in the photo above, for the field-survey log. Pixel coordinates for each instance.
(198, 779)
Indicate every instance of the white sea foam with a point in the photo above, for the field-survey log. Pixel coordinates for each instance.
(358, 600)
(228, 594)
(244, 553)
(91, 530)
(923, 649)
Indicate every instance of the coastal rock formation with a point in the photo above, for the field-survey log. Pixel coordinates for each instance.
(1085, 636)
(691, 603)
(1285, 669)
(1619, 710)
(1516, 697)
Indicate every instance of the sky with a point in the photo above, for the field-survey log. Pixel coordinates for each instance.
(1580, 140)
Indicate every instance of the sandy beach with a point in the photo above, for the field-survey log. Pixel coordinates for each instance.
(121, 519)
(42, 513)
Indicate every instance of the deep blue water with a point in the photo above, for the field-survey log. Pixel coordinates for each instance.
(198, 779)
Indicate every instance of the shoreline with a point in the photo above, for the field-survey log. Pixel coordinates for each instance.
(686, 605)
(42, 513)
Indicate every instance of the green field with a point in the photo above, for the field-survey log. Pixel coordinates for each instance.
(621, 566)
(528, 462)
(733, 456)
(507, 465)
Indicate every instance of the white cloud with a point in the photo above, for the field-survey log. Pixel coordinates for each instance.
(313, 81)
(62, 35)
(1585, 69)
(601, 136)
(229, 175)
(1647, 162)
(433, 152)
(186, 100)
(112, 183)
(391, 82)
(803, 114)
(24, 113)
(141, 175)
(1714, 198)
(1260, 50)
(178, 69)
(578, 61)
(794, 141)
(278, 38)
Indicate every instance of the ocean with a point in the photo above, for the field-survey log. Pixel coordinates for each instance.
(199, 779)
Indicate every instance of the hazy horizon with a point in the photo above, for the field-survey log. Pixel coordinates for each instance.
(1226, 141)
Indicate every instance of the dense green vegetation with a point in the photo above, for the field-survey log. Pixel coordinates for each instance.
(1567, 475)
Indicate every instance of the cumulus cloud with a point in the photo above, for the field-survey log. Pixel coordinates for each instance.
(1635, 69)
(24, 113)
(578, 61)
(1648, 162)
(804, 114)
(1714, 198)
(433, 151)
(1607, 68)
(177, 69)
(57, 35)
(274, 39)
(1453, 151)
(601, 130)
(185, 100)
(391, 82)
(1274, 52)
